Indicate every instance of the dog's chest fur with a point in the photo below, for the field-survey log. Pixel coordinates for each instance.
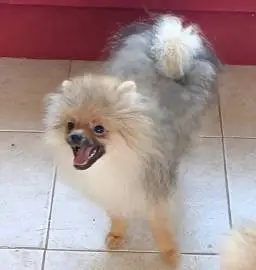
(113, 182)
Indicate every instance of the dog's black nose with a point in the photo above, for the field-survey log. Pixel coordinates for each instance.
(75, 138)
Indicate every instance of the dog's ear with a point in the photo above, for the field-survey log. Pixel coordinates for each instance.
(66, 83)
(129, 93)
(127, 86)
(64, 86)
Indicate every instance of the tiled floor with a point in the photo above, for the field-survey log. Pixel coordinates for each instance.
(44, 225)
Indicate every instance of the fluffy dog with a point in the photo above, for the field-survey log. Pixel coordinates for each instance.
(239, 252)
(118, 137)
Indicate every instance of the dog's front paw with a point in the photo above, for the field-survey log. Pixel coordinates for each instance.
(114, 241)
(171, 257)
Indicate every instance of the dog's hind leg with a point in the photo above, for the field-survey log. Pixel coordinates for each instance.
(164, 236)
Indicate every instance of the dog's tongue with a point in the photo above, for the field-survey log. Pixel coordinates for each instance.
(82, 156)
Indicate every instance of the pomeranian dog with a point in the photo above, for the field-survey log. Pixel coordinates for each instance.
(239, 252)
(118, 137)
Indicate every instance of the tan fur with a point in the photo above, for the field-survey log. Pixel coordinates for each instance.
(239, 251)
(117, 233)
(86, 118)
(160, 224)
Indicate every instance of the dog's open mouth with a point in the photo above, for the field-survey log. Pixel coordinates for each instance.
(85, 157)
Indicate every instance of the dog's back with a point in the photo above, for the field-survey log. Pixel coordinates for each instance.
(174, 66)
(164, 51)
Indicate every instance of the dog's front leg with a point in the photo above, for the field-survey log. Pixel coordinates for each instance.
(116, 234)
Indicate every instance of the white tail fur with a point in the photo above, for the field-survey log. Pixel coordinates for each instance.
(175, 46)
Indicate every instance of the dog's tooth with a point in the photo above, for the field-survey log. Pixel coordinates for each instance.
(92, 153)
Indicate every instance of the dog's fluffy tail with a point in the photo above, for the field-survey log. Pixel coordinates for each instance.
(239, 252)
(182, 52)
(175, 46)
(168, 46)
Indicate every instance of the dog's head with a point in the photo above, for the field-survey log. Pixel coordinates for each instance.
(94, 114)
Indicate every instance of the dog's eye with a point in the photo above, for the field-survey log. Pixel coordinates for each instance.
(99, 130)
(70, 126)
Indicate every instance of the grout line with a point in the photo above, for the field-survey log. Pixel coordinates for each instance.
(238, 137)
(225, 164)
(200, 136)
(21, 131)
(106, 251)
(209, 136)
(229, 137)
(201, 253)
(49, 218)
(26, 248)
(69, 68)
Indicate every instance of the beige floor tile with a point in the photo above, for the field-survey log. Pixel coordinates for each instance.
(80, 67)
(26, 176)
(238, 100)
(211, 123)
(241, 171)
(76, 223)
(20, 259)
(125, 261)
(23, 84)
(203, 184)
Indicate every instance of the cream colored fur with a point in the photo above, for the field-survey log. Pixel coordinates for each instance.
(239, 252)
(180, 45)
(113, 181)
